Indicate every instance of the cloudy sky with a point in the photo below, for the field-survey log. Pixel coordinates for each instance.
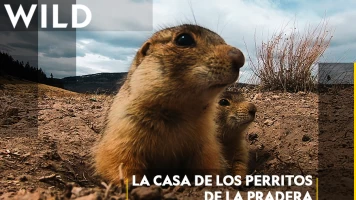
(237, 21)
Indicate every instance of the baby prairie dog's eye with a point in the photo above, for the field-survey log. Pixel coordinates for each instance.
(224, 102)
(185, 40)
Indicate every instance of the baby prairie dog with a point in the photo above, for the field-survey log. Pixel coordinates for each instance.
(162, 119)
(234, 115)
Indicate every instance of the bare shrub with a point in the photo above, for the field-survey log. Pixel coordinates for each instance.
(286, 61)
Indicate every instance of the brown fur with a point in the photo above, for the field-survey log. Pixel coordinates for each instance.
(162, 119)
(232, 120)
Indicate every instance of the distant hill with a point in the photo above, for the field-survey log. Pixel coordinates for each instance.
(108, 83)
(95, 83)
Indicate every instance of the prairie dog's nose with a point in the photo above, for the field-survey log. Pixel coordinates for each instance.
(252, 109)
(237, 58)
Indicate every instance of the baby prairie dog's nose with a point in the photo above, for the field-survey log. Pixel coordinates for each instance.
(251, 109)
(237, 58)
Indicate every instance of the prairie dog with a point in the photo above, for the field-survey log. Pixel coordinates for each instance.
(162, 119)
(234, 115)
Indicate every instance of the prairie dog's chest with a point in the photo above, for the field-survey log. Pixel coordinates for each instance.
(182, 141)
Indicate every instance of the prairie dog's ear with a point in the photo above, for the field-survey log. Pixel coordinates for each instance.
(145, 49)
(141, 53)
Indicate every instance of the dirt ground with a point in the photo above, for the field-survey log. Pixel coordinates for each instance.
(46, 135)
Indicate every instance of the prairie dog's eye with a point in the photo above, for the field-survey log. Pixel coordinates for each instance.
(185, 40)
(224, 102)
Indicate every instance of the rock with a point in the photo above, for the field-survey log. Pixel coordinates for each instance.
(170, 196)
(252, 136)
(179, 189)
(93, 99)
(95, 107)
(306, 138)
(93, 196)
(147, 193)
(10, 177)
(167, 190)
(23, 178)
(258, 96)
(268, 122)
(275, 97)
(261, 147)
(76, 191)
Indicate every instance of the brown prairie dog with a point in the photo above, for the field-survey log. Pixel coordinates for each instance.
(162, 119)
(234, 115)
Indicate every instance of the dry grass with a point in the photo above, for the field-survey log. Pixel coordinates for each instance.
(12, 85)
(286, 61)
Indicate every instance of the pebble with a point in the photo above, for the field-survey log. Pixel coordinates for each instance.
(93, 196)
(179, 189)
(252, 136)
(275, 97)
(76, 191)
(268, 122)
(147, 193)
(10, 177)
(23, 178)
(258, 96)
(170, 196)
(306, 138)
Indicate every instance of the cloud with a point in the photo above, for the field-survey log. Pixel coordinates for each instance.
(122, 15)
(131, 39)
(114, 52)
(6, 48)
(238, 22)
(57, 44)
(97, 63)
(59, 67)
(20, 45)
(24, 45)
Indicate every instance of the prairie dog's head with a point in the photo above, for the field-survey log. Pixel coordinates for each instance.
(183, 62)
(234, 112)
